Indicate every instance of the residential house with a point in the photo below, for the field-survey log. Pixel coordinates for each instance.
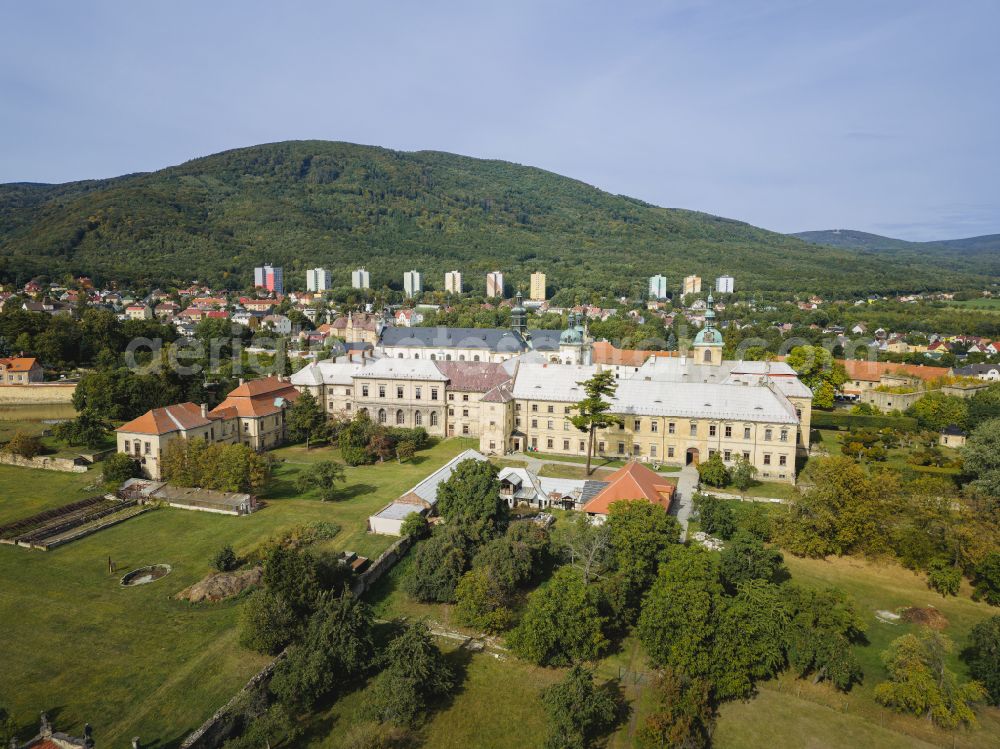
(259, 407)
(20, 370)
(631, 482)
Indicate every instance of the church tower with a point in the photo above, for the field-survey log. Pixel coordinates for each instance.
(708, 343)
(518, 316)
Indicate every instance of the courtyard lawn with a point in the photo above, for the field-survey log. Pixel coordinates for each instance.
(563, 471)
(27, 491)
(763, 489)
(134, 661)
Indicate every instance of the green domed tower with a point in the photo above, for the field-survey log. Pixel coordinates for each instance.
(518, 316)
(708, 343)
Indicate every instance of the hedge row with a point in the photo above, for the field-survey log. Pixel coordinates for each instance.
(838, 420)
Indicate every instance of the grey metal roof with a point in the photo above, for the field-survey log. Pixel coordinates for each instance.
(488, 339)
(427, 489)
(401, 369)
(398, 511)
(544, 340)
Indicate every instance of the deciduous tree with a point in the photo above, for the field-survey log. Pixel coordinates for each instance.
(579, 711)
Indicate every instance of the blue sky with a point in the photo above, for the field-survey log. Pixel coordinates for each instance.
(874, 115)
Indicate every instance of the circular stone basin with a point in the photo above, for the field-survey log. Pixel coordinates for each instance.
(145, 575)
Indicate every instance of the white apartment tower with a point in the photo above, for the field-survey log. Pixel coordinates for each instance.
(413, 283)
(494, 284)
(724, 285)
(658, 287)
(360, 279)
(318, 279)
(453, 282)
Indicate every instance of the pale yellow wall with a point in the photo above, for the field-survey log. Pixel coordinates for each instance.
(408, 402)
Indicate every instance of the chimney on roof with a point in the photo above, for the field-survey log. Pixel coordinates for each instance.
(204, 410)
(241, 381)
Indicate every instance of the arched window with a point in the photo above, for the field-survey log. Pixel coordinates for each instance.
(708, 355)
(447, 357)
(461, 357)
(399, 355)
(475, 358)
(418, 418)
(381, 416)
(400, 417)
(416, 355)
(434, 418)
(363, 411)
(433, 357)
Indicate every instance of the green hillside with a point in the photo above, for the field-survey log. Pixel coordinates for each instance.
(980, 255)
(307, 203)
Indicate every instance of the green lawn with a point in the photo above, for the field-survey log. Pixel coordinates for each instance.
(133, 661)
(984, 304)
(562, 471)
(27, 491)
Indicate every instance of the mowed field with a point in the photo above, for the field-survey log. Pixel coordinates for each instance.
(134, 661)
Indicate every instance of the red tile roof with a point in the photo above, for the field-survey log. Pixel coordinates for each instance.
(256, 398)
(175, 418)
(19, 363)
(633, 481)
(477, 377)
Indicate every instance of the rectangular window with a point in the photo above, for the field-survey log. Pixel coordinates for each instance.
(654, 426)
(517, 421)
(694, 429)
(534, 407)
(534, 443)
(565, 444)
(583, 445)
(416, 392)
(711, 453)
(621, 448)
(711, 430)
(451, 397)
(600, 447)
(768, 433)
(434, 394)
(347, 391)
(637, 425)
(493, 445)
(465, 412)
(399, 392)
(381, 391)
(364, 390)
(782, 460)
(652, 451)
(548, 443)
(550, 423)
(670, 428)
(746, 433)
(746, 456)
(670, 451)
(465, 428)
(451, 411)
(729, 430)
(465, 396)
(147, 448)
(727, 456)
(767, 459)
(534, 423)
(552, 409)
(784, 435)
(635, 449)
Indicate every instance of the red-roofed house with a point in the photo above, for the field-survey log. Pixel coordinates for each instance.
(146, 438)
(20, 370)
(259, 406)
(633, 481)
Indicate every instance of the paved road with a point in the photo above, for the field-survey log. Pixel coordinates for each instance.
(687, 484)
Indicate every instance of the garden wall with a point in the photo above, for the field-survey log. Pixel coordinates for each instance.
(66, 465)
(37, 394)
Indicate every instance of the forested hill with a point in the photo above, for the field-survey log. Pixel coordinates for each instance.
(303, 204)
(973, 254)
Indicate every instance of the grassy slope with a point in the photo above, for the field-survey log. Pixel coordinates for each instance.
(306, 202)
(134, 661)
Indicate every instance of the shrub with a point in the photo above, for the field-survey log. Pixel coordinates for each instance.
(415, 525)
(840, 420)
(716, 516)
(713, 471)
(225, 559)
(579, 712)
(267, 623)
(24, 445)
(987, 580)
(119, 468)
(944, 577)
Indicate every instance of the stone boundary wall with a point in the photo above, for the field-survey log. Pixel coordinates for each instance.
(66, 465)
(37, 394)
(385, 562)
(230, 719)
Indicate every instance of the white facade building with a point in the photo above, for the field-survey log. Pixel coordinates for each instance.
(360, 279)
(318, 279)
(453, 282)
(658, 287)
(413, 282)
(724, 285)
(494, 284)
